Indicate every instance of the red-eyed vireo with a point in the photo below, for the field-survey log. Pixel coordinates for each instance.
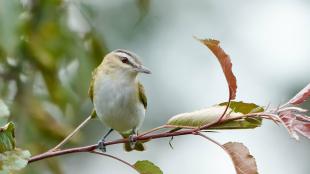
(118, 97)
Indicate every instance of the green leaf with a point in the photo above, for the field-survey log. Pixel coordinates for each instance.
(245, 108)
(7, 141)
(147, 167)
(4, 113)
(12, 161)
(212, 114)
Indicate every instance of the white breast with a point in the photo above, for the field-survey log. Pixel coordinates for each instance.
(117, 103)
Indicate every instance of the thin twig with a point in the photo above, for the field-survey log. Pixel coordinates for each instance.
(71, 134)
(50, 154)
(210, 139)
(215, 142)
(116, 158)
(152, 130)
(180, 126)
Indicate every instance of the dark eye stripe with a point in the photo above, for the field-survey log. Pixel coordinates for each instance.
(127, 61)
(125, 52)
(133, 58)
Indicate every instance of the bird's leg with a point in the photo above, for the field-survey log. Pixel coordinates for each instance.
(101, 145)
(132, 138)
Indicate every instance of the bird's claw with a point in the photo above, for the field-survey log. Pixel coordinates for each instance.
(102, 146)
(132, 140)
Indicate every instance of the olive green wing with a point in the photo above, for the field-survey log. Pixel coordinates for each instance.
(142, 95)
(91, 85)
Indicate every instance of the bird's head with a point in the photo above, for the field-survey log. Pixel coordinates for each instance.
(124, 62)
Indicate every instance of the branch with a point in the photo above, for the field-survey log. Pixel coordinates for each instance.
(91, 148)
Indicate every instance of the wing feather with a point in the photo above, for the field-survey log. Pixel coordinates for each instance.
(91, 85)
(142, 95)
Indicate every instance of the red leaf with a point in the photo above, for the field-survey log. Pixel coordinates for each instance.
(303, 128)
(243, 161)
(302, 96)
(296, 122)
(225, 62)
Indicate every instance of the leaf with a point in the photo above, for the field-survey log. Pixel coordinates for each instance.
(12, 161)
(4, 113)
(200, 117)
(245, 108)
(147, 167)
(302, 96)
(295, 121)
(225, 62)
(7, 141)
(208, 115)
(243, 161)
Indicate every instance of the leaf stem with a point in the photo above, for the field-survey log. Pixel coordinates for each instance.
(114, 157)
(215, 142)
(71, 134)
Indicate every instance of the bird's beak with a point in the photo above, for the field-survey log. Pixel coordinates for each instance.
(143, 69)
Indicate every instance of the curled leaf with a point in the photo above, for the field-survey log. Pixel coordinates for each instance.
(225, 62)
(147, 167)
(302, 96)
(12, 161)
(243, 161)
(7, 141)
(208, 115)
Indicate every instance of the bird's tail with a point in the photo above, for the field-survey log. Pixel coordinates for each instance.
(138, 146)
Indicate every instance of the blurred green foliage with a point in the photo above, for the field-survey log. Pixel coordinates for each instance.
(45, 67)
(47, 52)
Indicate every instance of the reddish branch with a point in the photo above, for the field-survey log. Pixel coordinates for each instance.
(91, 148)
(189, 131)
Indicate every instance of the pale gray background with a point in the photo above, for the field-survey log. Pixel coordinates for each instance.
(268, 42)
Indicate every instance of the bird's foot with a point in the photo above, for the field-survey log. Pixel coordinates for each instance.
(102, 146)
(132, 140)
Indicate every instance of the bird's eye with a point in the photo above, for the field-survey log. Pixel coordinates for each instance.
(124, 60)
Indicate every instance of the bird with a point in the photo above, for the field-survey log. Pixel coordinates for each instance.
(118, 97)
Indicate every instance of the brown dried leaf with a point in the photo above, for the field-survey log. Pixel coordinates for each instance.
(244, 162)
(302, 96)
(225, 62)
